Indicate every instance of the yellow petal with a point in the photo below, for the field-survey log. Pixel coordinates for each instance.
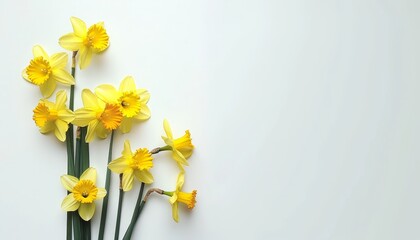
(85, 56)
(107, 93)
(167, 129)
(91, 130)
(86, 210)
(118, 165)
(61, 129)
(144, 176)
(60, 99)
(127, 180)
(68, 182)
(168, 141)
(180, 181)
(127, 149)
(89, 174)
(127, 84)
(48, 127)
(144, 113)
(173, 198)
(83, 117)
(101, 193)
(38, 51)
(25, 76)
(79, 27)
(101, 131)
(66, 115)
(175, 211)
(180, 159)
(126, 125)
(71, 42)
(144, 95)
(48, 88)
(62, 76)
(58, 60)
(90, 100)
(70, 203)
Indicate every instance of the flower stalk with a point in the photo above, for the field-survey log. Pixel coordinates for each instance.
(138, 208)
(107, 185)
(70, 148)
(120, 200)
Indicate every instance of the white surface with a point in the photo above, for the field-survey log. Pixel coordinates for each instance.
(304, 113)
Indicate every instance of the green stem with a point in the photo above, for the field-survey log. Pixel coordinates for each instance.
(84, 162)
(117, 226)
(70, 150)
(107, 184)
(77, 226)
(136, 213)
(84, 150)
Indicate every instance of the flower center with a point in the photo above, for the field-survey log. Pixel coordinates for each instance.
(184, 142)
(42, 114)
(85, 191)
(38, 70)
(141, 160)
(130, 104)
(187, 198)
(111, 117)
(97, 38)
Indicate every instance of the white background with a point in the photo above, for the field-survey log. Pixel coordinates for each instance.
(304, 114)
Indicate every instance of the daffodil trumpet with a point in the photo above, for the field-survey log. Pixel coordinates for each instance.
(181, 148)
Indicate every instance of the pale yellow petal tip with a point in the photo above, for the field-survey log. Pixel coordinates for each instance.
(25, 76)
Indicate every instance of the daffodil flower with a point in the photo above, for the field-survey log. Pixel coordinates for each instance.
(49, 116)
(83, 193)
(101, 118)
(181, 147)
(85, 41)
(132, 101)
(132, 165)
(178, 196)
(45, 71)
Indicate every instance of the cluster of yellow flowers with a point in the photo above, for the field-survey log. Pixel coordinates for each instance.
(104, 110)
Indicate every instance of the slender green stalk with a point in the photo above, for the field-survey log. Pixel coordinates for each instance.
(107, 184)
(77, 162)
(87, 231)
(120, 200)
(83, 153)
(70, 147)
(77, 226)
(84, 150)
(136, 213)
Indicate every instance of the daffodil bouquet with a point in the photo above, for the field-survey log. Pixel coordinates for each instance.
(105, 110)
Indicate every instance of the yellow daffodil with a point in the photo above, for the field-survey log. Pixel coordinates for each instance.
(178, 196)
(82, 194)
(49, 116)
(100, 117)
(85, 41)
(132, 164)
(45, 71)
(181, 147)
(132, 101)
